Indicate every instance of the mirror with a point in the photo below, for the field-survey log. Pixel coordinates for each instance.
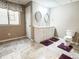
(38, 16)
(46, 18)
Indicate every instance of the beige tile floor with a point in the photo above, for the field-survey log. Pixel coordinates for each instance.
(26, 49)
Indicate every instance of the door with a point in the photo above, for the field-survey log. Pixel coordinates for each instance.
(28, 22)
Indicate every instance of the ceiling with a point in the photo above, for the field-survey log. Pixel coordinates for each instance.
(47, 3)
(23, 2)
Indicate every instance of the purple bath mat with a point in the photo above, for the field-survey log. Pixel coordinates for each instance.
(66, 48)
(46, 42)
(63, 56)
(54, 39)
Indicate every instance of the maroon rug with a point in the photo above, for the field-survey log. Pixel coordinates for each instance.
(63, 56)
(46, 42)
(54, 39)
(66, 48)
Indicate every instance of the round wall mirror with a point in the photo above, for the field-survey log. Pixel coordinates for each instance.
(38, 16)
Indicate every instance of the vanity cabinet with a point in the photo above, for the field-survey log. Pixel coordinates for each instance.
(43, 33)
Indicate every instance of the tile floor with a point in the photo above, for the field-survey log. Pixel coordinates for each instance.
(26, 49)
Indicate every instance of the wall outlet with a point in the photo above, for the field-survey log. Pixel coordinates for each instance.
(9, 34)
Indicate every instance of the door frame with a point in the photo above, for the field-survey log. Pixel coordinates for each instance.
(32, 28)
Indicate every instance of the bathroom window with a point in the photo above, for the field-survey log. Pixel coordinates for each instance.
(3, 17)
(9, 17)
(9, 13)
(14, 17)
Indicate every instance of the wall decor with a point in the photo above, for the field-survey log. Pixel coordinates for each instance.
(46, 18)
(38, 16)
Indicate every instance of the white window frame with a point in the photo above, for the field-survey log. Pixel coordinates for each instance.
(8, 18)
(15, 18)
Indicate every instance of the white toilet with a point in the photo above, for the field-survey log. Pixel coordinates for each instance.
(68, 37)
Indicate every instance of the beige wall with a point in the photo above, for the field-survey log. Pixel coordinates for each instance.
(66, 17)
(15, 31)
